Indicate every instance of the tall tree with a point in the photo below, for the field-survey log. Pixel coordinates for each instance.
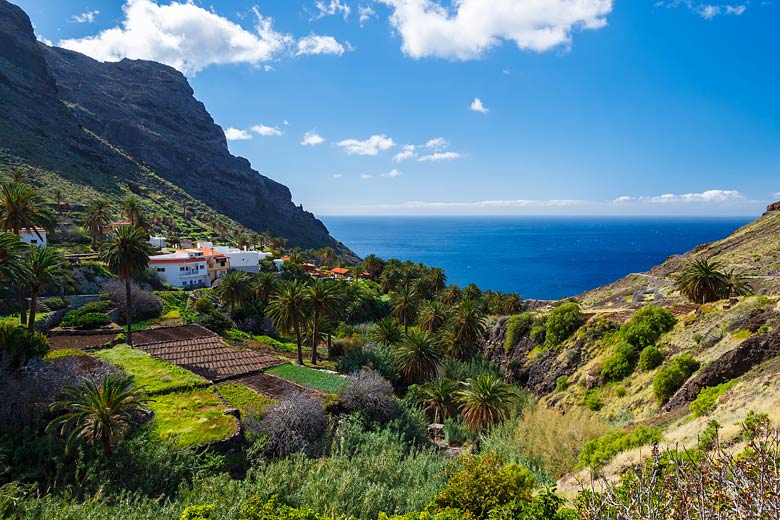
(98, 216)
(13, 268)
(373, 265)
(22, 207)
(438, 279)
(265, 286)
(99, 415)
(290, 309)
(404, 305)
(127, 256)
(418, 356)
(485, 401)
(432, 316)
(45, 267)
(327, 256)
(325, 297)
(703, 281)
(466, 326)
(134, 212)
(438, 398)
(234, 289)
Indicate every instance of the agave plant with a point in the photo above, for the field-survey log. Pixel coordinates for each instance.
(98, 414)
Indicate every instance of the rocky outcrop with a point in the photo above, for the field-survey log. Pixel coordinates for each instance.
(775, 206)
(734, 363)
(65, 112)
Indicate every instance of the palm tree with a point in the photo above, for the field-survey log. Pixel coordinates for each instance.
(432, 316)
(324, 299)
(404, 305)
(419, 356)
(438, 398)
(467, 326)
(97, 218)
(45, 267)
(373, 265)
(702, 281)
(22, 207)
(438, 279)
(265, 286)
(387, 332)
(127, 256)
(100, 415)
(134, 212)
(289, 310)
(234, 289)
(326, 255)
(485, 401)
(12, 264)
(450, 296)
(738, 284)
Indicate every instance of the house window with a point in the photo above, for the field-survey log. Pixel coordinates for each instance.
(33, 241)
(160, 269)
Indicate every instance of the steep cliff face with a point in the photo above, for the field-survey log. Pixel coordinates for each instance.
(100, 122)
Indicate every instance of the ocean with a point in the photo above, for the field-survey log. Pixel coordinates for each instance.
(536, 257)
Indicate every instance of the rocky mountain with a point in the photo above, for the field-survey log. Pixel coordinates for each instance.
(110, 125)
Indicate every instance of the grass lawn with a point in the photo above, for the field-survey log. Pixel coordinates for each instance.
(66, 352)
(154, 374)
(191, 418)
(244, 398)
(310, 377)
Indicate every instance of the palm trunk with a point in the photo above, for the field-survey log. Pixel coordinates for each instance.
(298, 340)
(33, 308)
(129, 312)
(330, 341)
(314, 338)
(22, 306)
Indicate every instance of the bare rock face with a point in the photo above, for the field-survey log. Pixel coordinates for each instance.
(52, 99)
(775, 206)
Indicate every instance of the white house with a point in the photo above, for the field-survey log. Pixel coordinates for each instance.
(240, 259)
(36, 237)
(186, 268)
(158, 242)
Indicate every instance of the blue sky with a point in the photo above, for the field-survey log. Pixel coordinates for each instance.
(502, 107)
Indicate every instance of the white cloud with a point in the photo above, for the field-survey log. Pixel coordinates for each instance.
(371, 146)
(391, 173)
(507, 72)
(623, 199)
(709, 196)
(407, 153)
(438, 143)
(285, 122)
(440, 156)
(235, 134)
(338, 175)
(268, 68)
(706, 10)
(477, 106)
(471, 27)
(87, 17)
(365, 13)
(776, 195)
(365, 176)
(44, 39)
(319, 45)
(189, 38)
(312, 138)
(266, 131)
(330, 8)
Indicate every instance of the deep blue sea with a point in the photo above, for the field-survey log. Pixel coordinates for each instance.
(537, 257)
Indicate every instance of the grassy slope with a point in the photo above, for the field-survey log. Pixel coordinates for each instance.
(310, 377)
(192, 418)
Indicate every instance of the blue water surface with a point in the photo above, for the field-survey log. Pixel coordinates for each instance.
(537, 257)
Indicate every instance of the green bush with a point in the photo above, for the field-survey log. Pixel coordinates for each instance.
(709, 435)
(516, 327)
(455, 432)
(216, 322)
(592, 400)
(647, 325)
(598, 451)
(18, 344)
(561, 323)
(203, 305)
(378, 358)
(562, 383)
(90, 320)
(56, 304)
(99, 306)
(650, 358)
(620, 391)
(706, 399)
(621, 363)
(200, 512)
(671, 377)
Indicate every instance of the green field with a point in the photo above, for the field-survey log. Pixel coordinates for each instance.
(155, 375)
(310, 377)
(244, 398)
(191, 418)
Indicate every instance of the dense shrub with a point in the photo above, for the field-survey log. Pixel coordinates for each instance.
(203, 305)
(88, 320)
(377, 358)
(562, 383)
(647, 325)
(371, 394)
(341, 346)
(456, 433)
(257, 509)
(620, 391)
(199, 512)
(600, 450)
(621, 363)
(146, 305)
(482, 484)
(18, 344)
(215, 321)
(56, 304)
(516, 327)
(593, 400)
(670, 378)
(458, 370)
(98, 306)
(708, 396)
(561, 323)
(295, 425)
(650, 358)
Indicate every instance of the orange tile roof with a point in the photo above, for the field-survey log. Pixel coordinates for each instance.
(339, 270)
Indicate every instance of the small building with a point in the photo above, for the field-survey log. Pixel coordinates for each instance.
(278, 263)
(34, 236)
(340, 272)
(308, 267)
(218, 264)
(158, 242)
(240, 259)
(186, 268)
